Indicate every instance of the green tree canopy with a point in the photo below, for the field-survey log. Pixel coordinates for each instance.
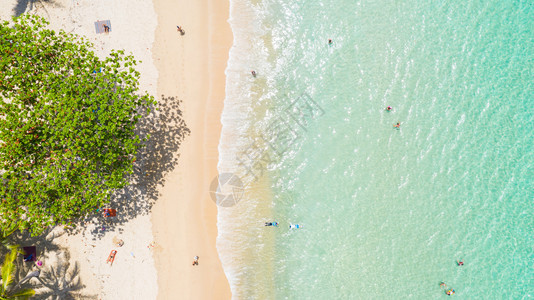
(67, 124)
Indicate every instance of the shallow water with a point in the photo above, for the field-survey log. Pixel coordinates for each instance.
(385, 213)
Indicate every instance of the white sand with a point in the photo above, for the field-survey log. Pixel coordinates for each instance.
(133, 274)
(185, 218)
(192, 68)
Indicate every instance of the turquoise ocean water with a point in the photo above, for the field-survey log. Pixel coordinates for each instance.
(385, 213)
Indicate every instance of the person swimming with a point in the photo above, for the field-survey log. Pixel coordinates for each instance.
(271, 224)
(460, 262)
(397, 125)
(329, 41)
(294, 226)
(450, 292)
(389, 108)
(253, 73)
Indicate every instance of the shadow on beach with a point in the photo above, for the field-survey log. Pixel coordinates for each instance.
(23, 6)
(167, 130)
(58, 280)
(62, 281)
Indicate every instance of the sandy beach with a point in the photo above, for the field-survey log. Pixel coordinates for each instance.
(191, 68)
(166, 216)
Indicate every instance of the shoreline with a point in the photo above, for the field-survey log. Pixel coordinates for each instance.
(191, 68)
(183, 220)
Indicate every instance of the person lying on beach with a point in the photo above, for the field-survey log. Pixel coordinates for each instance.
(180, 30)
(106, 28)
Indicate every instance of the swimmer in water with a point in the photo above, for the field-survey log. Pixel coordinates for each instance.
(450, 292)
(295, 226)
(397, 125)
(271, 224)
(253, 73)
(329, 41)
(460, 262)
(388, 108)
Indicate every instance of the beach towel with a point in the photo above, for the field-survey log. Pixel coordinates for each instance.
(110, 212)
(30, 253)
(99, 26)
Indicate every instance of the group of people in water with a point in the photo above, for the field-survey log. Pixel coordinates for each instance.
(450, 291)
(275, 224)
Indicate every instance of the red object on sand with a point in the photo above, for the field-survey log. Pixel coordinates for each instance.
(109, 212)
(111, 257)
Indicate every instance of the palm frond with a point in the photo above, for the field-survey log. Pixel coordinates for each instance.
(16, 248)
(7, 269)
(23, 294)
(6, 233)
(4, 236)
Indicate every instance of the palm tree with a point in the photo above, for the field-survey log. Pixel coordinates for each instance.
(8, 270)
(4, 238)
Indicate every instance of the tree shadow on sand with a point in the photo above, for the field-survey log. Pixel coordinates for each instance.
(167, 130)
(44, 243)
(61, 281)
(23, 6)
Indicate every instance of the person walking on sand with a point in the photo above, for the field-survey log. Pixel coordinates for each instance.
(180, 30)
(195, 260)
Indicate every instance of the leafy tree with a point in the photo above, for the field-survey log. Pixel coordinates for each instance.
(8, 270)
(67, 124)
